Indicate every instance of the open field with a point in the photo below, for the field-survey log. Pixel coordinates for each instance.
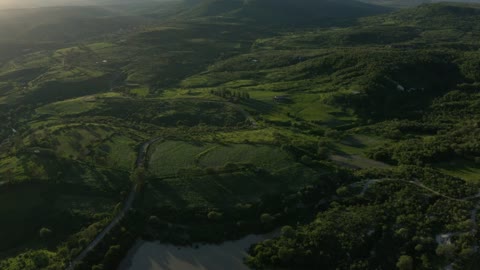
(168, 157)
(226, 189)
(210, 174)
(469, 171)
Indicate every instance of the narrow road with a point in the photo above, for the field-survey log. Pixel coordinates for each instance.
(140, 162)
(368, 183)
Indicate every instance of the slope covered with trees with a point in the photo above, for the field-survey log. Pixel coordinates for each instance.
(284, 12)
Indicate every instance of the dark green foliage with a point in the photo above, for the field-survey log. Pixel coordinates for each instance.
(285, 12)
(327, 233)
(56, 91)
(400, 87)
(173, 113)
(376, 230)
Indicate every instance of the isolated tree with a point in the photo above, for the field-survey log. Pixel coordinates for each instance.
(266, 219)
(45, 233)
(214, 215)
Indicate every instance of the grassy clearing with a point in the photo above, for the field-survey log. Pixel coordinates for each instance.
(466, 170)
(140, 92)
(357, 161)
(268, 135)
(70, 107)
(358, 144)
(261, 136)
(190, 174)
(226, 189)
(74, 143)
(69, 74)
(312, 107)
(268, 157)
(170, 156)
(217, 190)
(117, 152)
(93, 155)
(195, 93)
(351, 151)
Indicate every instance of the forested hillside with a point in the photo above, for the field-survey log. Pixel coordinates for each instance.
(284, 12)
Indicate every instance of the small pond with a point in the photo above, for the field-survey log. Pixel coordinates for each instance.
(157, 256)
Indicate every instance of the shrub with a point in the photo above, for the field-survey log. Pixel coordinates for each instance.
(213, 215)
(45, 233)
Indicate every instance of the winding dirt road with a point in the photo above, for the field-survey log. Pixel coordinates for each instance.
(140, 162)
(368, 183)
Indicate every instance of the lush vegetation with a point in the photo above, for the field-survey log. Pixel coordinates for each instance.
(358, 136)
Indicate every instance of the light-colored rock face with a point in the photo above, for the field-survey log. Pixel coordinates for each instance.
(156, 256)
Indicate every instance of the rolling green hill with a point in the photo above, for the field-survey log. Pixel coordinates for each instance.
(284, 12)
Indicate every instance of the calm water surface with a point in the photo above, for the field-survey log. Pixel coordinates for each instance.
(157, 256)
